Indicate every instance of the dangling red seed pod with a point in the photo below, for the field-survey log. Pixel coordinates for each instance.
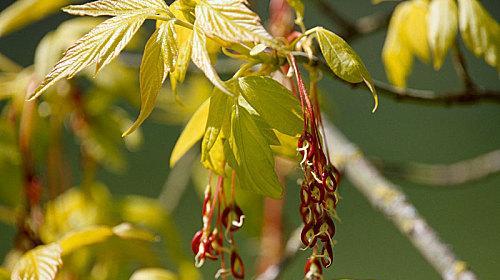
(312, 269)
(196, 241)
(237, 267)
(317, 195)
(327, 260)
(308, 236)
(236, 223)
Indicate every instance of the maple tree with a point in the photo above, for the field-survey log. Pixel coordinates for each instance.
(266, 108)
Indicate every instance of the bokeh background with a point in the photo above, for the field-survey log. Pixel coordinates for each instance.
(369, 247)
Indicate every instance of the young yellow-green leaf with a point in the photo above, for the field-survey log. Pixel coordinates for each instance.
(24, 12)
(115, 7)
(41, 263)
(480, 32)
(287, 146)
(127, 231)
(396, 54)
(192, 133)
(267, 131)
(344, 61)
(91, 235)
(50, 48)
(298, 6)
(219, 111)
(231, 21)
(274, 103)
(182, 11)
(158, 59)
(201, 58)
(251, 156)
(101, 45)
(4, 274)
(215, 159)
(153, 274)
(442, 28)
(181, 66)
(169, 47)
(414, 27)
(77, 239)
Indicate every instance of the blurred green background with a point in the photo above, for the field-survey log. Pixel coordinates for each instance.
(369, 247)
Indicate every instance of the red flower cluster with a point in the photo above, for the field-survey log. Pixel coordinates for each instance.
(318, 197)
(209, 243)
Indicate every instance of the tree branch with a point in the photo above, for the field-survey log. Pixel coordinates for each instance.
(444, 175)
(461, 67)
(362, 26)
(470, 96)
(388, 199)
(392, 202)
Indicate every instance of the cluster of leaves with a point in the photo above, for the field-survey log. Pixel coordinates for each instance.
(248, 119)
(183, 32)
(424, 27)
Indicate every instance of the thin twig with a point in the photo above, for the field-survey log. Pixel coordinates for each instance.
(412, 95)
(392, 202)
(369, 24)
(362, 26)
(461, 67)
(388, 199)
(444, 175)
(337, 18)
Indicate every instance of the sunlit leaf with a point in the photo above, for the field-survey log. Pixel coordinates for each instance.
(251, 156)
(201, 58)
(181, 66)
(75, 210)
(153, 274)
(344, 61)
(49, 50)
(396, 54)
(192, 133)
(41, 263)
(101, 45)
(24, 12)
(287, 146)
(184, 43)
(231, 21)
(158, 60)
(443, 21)
(257, 49)
(267, 131)
(414, 27)
(4, 274)
(218, 112)
(114, 7)
(127, 231)
(215, 159)
(480, 32)
(274, 103)
(84, 237)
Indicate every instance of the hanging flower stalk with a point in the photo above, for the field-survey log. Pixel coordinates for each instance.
(318, 191)
(214, 243)
(247, 121)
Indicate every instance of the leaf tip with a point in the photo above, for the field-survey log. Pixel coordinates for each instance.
(375, 107)
(130, 130)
